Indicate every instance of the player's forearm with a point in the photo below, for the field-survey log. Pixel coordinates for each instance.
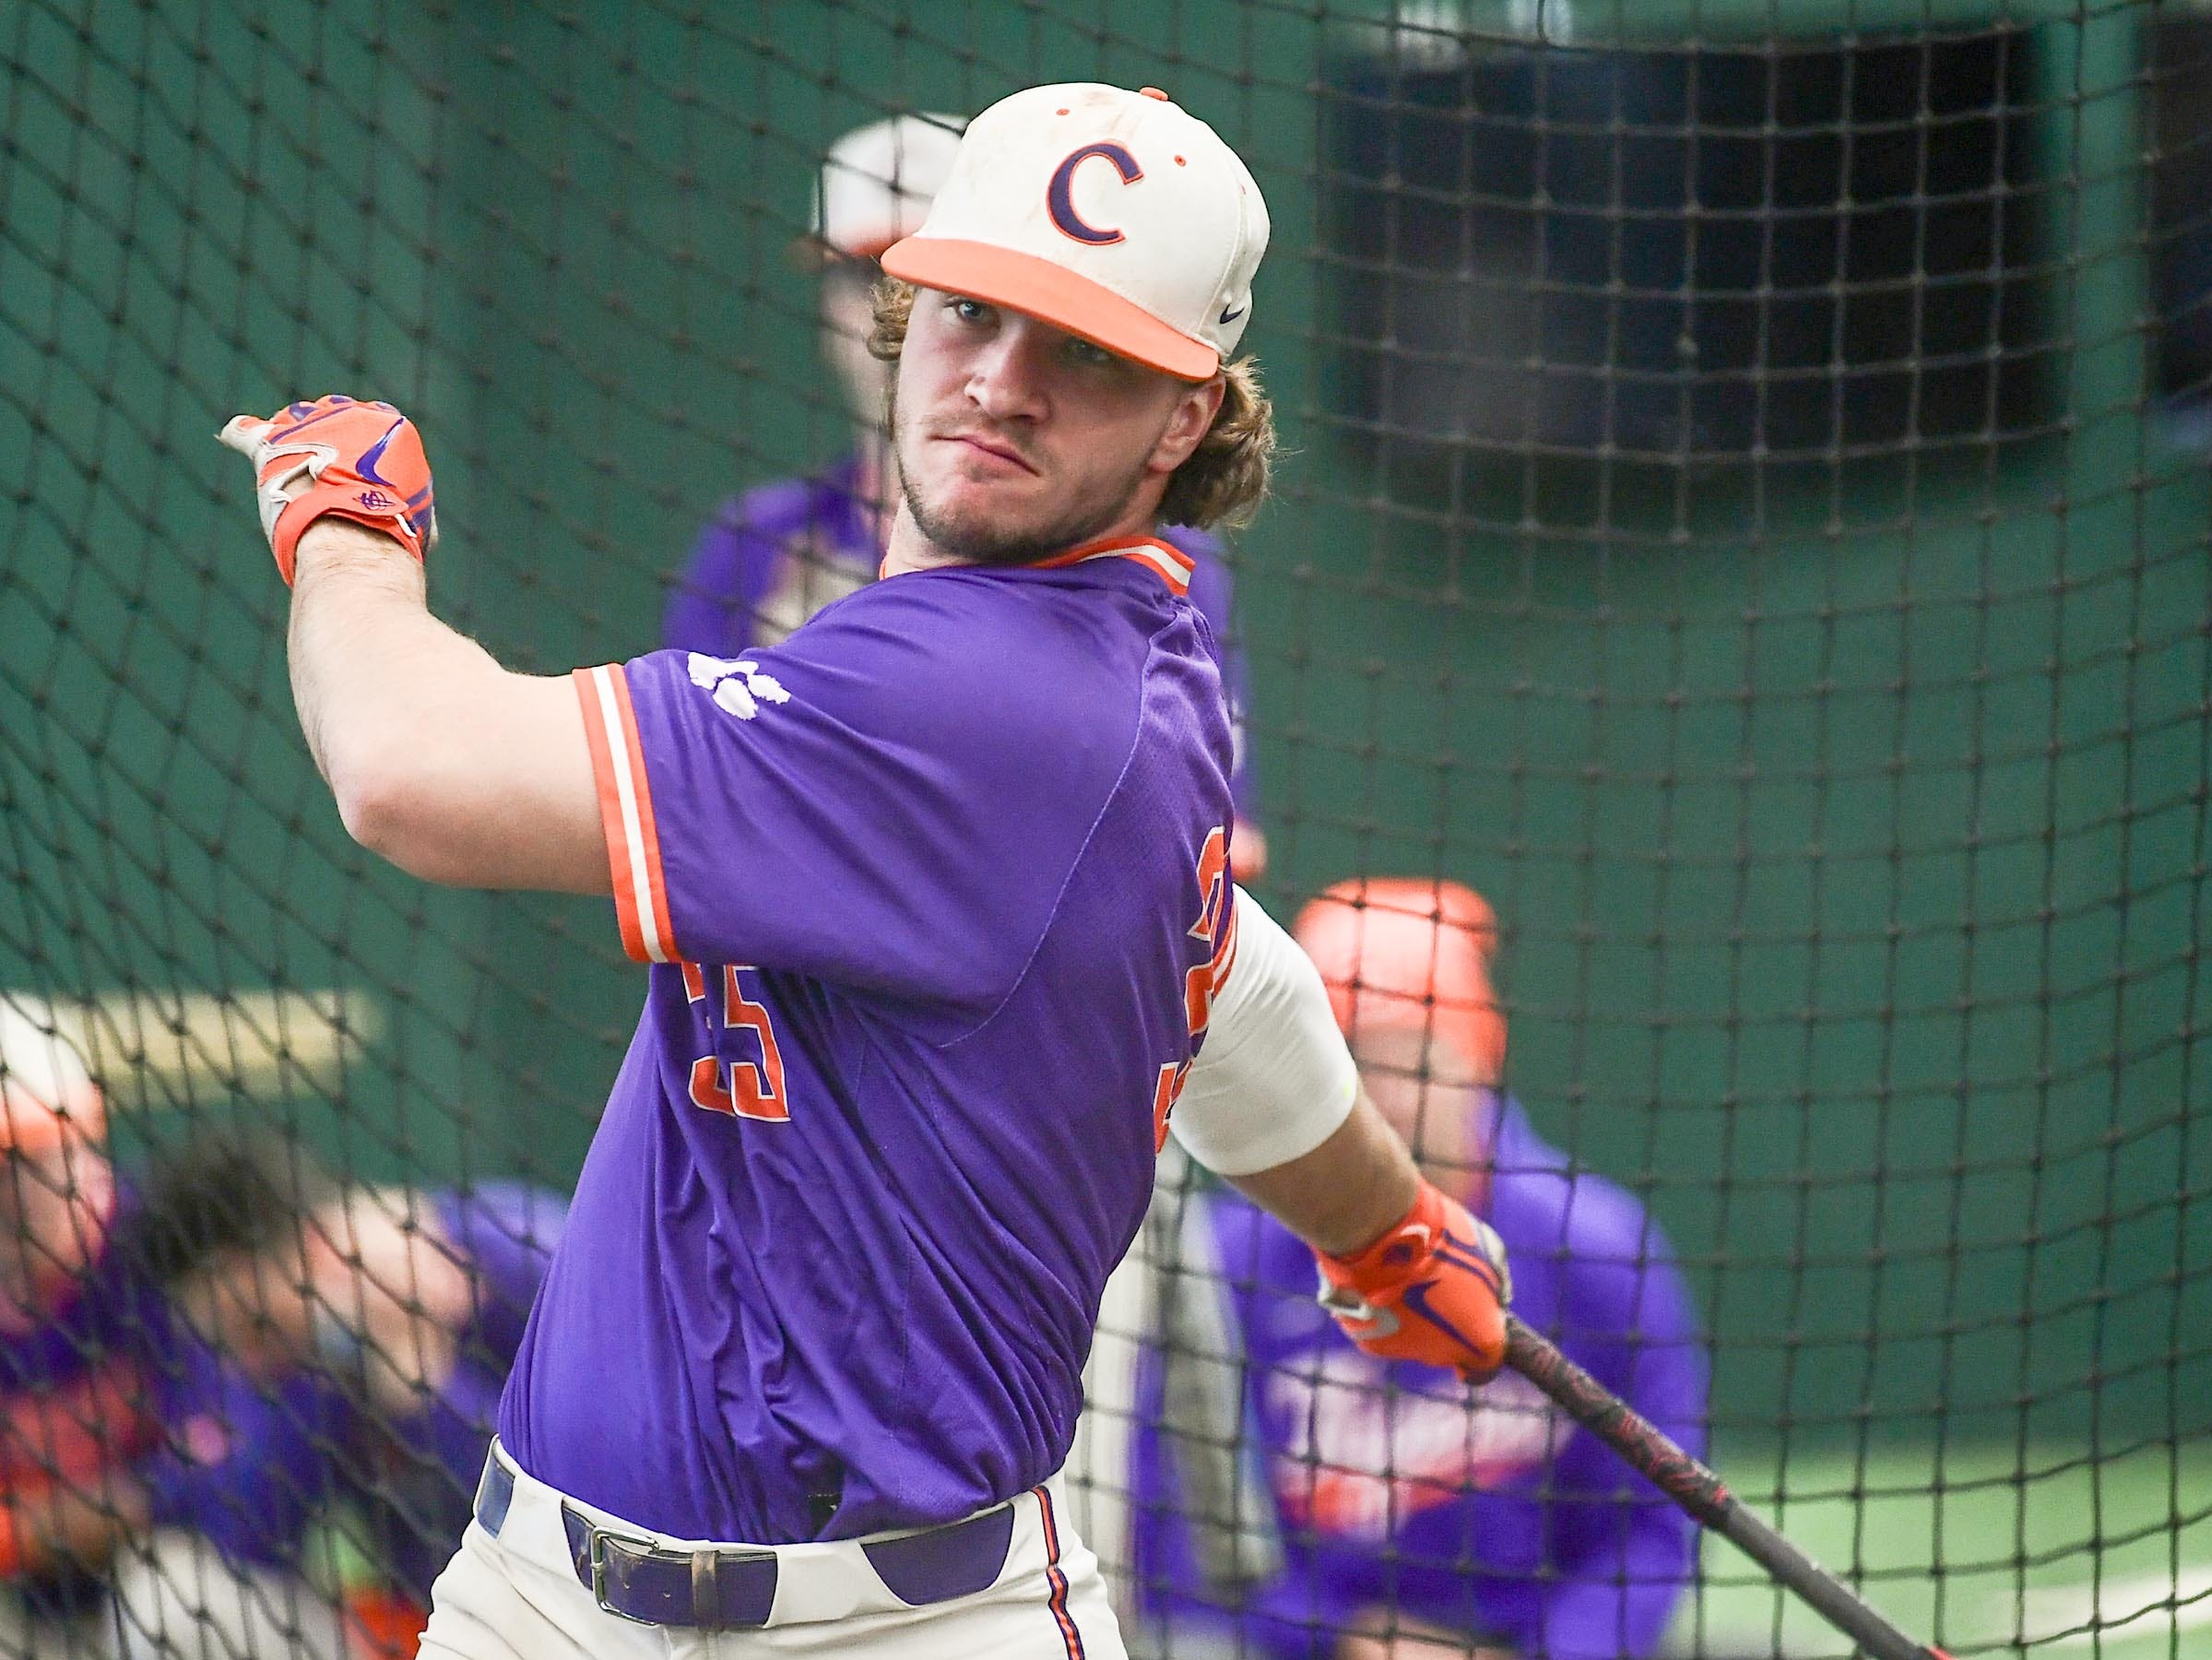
(1347, 1192)
(452, 768)
(371, 669)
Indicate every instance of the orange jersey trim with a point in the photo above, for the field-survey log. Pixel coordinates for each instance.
(1056, 1579)
(618, 766)
(1224, 956)
(1170, 564)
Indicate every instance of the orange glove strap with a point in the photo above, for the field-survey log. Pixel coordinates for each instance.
(1386, 1265)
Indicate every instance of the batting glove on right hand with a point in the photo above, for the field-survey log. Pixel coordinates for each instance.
(1433, 1289)
(361, 461)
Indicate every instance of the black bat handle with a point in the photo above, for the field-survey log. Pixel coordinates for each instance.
(1703, 1494)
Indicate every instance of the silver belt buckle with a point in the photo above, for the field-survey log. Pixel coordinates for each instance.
(598, 1538)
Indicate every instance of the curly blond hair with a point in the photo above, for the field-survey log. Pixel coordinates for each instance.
(1224, 480)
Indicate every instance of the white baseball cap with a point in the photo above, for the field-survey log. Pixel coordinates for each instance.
(1114, 214)
(877, 183)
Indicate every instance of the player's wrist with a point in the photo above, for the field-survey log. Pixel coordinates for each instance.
(330, 530)
(331, 543)
(1397, 1251)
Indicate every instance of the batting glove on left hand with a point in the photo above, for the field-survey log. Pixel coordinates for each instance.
(339, 455)
(1433, 1289)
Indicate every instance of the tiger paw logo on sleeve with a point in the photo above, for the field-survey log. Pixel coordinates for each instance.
(738, 684)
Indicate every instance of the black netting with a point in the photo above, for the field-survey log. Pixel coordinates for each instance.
(1745, 516)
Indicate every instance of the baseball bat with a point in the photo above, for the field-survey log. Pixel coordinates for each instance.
(1703, 1494)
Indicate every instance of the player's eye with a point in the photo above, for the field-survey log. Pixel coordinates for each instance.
(1089, 355)
(969, 311)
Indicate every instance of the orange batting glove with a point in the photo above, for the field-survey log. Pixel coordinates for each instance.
(1433, 1289)
(361, 461)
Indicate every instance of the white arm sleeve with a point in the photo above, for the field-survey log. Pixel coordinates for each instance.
(1273, 1079)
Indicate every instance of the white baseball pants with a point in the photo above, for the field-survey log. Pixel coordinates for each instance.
(518, 1598)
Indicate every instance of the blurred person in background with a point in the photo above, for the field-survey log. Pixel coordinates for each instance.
(778, 553)
(1413, 1518)
(151, 1487)
(409, 1306)
(205, 1358)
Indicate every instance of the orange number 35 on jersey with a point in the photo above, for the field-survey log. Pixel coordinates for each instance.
(737, 1087)
(1216, 929)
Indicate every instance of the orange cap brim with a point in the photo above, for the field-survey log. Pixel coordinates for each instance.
(1052, 294)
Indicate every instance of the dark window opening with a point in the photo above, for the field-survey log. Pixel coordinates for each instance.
(1673, 255)
(2180, 206)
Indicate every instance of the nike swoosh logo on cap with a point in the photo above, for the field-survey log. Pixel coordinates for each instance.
(1229, 314)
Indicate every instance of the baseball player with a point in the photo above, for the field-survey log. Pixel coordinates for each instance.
(409, 1305)
(154, 1497)
(1415, 1524)
(776, 554)
(936, 897)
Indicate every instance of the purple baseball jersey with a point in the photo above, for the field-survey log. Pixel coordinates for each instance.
(935, 892)
(775, 555)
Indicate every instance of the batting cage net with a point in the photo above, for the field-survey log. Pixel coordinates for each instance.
(1727, 652)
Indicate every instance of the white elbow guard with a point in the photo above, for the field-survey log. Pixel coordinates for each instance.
(1273, 1079)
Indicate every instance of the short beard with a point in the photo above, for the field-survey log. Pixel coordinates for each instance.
(974, 544)
(978, 545)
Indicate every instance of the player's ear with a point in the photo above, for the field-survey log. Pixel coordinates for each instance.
(1188, 423)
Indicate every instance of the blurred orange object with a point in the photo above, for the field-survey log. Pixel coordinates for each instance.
(383, 1624)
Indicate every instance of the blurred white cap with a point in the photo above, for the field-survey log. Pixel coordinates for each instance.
(46, 1093)
(878, 181)
(1114, 214)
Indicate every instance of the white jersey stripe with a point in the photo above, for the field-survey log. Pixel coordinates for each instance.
(628, 766)
(1173, 568)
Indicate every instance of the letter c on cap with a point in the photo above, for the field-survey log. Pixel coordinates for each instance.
(1059, 196)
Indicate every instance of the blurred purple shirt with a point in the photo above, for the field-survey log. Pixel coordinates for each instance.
(413, 1477)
